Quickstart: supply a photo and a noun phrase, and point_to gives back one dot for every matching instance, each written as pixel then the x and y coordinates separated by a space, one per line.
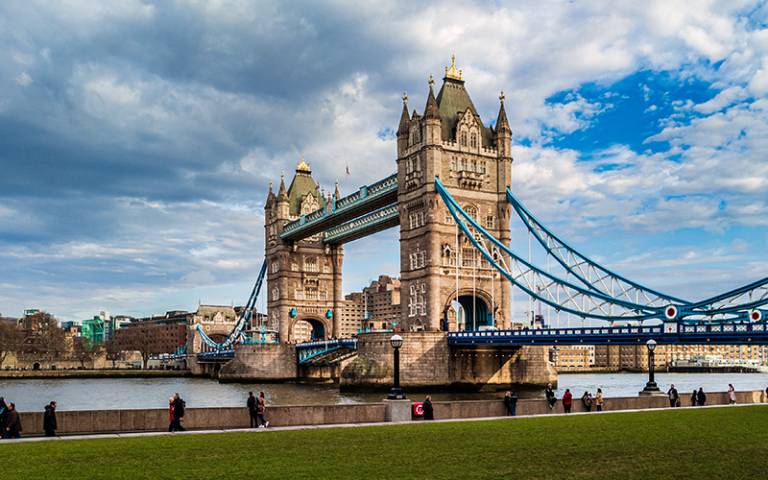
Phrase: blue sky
pixel 137 139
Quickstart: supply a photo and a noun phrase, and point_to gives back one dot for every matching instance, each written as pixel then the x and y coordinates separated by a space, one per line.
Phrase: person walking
pixel 179 407
pixel 429 413
pixel 551 398
pixel 599 400
pixel 674 397
pixel 251 404
pixel 170 414
pixel 693 398
pixel 701 397
pixel 586 401
pixel 49 420
pixel 3 415
pixel 567 401
pixel 12 423
pixel 261 411
pixel 731 394
pixel 510 403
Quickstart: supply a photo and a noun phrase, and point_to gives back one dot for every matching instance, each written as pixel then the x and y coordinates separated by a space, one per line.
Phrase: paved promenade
pixel 339 425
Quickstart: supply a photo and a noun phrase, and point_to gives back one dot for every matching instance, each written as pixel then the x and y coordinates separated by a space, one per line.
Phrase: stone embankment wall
pixel 148 420
pixel 261 362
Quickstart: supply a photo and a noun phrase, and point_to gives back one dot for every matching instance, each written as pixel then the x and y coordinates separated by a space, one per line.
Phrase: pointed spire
pixel 501 122
pixel 282 193
pixel 337 193
pixel 404 119
pixel 270 195
pixel 431 110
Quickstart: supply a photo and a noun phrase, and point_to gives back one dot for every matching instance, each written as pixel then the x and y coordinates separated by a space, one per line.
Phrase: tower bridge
pixel 451 199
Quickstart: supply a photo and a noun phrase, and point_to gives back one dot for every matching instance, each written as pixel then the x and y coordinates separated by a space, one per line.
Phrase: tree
pixel 43 337
pixel 113 351
pixel 11 340
pixel 84 351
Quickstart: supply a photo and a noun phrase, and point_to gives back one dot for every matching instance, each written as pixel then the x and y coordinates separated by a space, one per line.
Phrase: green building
pixel 93 330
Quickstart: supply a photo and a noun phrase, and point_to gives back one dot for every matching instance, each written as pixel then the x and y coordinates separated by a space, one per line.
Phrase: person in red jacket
pixel 567 401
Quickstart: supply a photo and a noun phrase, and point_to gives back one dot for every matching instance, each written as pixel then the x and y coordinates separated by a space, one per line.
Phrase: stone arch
pixel 484 316
pixel 320 329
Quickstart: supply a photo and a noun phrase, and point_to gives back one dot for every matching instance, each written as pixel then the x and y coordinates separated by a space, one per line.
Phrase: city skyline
pixel 136 183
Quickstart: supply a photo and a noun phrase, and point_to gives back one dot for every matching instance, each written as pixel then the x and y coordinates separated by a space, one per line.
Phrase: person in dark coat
pixel 701 397
pixel 49 420
pixel 429 413
pixel 567 401
pixel 586 400
pixel 12 423
pixel 551 398
pixel 3 414
pixel 178 413
pixel 510 402
pixel 674 397
pixel 693 398
pixel 251 404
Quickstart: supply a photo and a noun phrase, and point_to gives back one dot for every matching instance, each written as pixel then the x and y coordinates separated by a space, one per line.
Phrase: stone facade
pixel 449 141
pixel 261 362
pixel 377 307
pixel 303 278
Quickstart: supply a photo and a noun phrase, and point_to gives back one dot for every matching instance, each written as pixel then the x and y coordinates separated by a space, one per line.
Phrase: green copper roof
pixel 453 100
pixel 301 185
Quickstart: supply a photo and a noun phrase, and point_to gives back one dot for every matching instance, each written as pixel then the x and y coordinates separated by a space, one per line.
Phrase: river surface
pixel 128 393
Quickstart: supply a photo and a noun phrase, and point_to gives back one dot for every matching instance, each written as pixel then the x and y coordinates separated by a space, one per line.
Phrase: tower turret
pixel 432 123
pixel 404 127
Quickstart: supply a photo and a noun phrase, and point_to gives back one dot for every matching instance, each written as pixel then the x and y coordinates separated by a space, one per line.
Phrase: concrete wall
pixel 95 421
pixel 482 366
pixel 261 362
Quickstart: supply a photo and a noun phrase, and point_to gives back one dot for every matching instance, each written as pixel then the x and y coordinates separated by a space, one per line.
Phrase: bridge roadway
pixel 367 200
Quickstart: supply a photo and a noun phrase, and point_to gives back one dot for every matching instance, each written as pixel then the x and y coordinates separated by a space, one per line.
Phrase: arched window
pixel 463 139
pixel 471 210
pixel 473 140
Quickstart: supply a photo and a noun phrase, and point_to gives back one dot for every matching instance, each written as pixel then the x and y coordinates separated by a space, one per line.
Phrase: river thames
pixel 98 394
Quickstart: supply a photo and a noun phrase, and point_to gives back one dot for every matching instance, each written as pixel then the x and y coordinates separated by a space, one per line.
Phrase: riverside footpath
pixel 155 421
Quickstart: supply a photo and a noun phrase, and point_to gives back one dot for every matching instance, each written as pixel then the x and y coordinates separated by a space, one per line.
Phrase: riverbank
pixel 154 420
pixel 106 373
pixel 622 445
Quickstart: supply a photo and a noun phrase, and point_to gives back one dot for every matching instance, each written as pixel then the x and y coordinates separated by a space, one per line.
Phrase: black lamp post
pixel 396 393
pixel 651 388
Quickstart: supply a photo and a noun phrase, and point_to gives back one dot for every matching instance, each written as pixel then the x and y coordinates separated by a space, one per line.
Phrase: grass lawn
pixel 692 443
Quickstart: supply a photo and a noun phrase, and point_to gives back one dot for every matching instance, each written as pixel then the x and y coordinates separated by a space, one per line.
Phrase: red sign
pixel 418 409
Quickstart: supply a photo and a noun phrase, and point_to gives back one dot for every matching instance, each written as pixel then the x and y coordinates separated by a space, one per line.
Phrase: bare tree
pixel 11 340
pixel 43 337
pixel 113 351
pixel 84 351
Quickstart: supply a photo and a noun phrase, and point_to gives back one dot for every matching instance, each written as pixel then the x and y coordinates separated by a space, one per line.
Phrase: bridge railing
pixel 217 355
pixel 309 350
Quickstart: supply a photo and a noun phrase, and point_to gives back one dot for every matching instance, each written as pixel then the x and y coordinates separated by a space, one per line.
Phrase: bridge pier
pixel 428 362
pixel 261 362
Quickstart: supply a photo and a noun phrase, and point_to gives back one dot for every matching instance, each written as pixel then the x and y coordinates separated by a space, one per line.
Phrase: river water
pixel 97 394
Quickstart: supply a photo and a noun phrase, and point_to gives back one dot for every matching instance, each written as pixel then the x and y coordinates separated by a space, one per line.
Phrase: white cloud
pixel 23 79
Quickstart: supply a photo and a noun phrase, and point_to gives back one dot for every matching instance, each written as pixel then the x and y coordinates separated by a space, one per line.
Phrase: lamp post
pixel 396 393
pixel 650 387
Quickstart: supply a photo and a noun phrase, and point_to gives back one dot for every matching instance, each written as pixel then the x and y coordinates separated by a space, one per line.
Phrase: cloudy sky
pixel 137 139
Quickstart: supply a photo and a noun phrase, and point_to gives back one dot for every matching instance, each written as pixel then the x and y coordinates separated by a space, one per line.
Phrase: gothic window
pixel 490 222
pixel 468 257
pixel 473 165
pixel 483 167
pixel 463 163
pixel 310 264
pixel 294 267
pixel 449 257
pixel 471 211
pixel 275 293
pixel 275 267
pixel 416 220
pixel 309 204
pixel 463 139
pixel 453 162
pixel 448 218
pixel 473 140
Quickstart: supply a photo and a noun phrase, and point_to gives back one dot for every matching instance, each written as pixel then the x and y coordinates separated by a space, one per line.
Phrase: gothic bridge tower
pixel 450 141
pixel 304 277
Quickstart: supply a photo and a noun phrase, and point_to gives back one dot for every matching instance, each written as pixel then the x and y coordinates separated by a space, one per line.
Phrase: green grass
pixel 692 443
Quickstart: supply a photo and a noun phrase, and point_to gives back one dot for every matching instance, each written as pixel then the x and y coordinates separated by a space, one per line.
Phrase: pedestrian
pixel 599 400
pixel 3 415
pixel 429 413
pixel 170 414
pixel 567 401
pixel 701 398
pixel 179 407
pixel 12 423
pixel 674 397
pixel 49 420
pixel 510 403
pixel 586 400
pixel 693 398
pixel 251 404
pixel 731 394
pixel 551 398
pixel 261 411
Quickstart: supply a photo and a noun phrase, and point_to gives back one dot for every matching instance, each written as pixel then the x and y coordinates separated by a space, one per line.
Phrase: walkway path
pixel 345 425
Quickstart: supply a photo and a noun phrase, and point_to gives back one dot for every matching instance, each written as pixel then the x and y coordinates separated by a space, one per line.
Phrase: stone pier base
pixel 261 363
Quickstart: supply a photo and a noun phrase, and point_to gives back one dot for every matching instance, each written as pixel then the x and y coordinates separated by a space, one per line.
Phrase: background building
pixel 376 307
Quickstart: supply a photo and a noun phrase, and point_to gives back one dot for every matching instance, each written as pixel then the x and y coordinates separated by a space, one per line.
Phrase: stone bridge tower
pixel 474 162
pixel 304 277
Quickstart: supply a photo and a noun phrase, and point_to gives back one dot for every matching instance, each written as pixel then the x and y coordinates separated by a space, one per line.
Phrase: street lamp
pixel 651 388
pixel 396 393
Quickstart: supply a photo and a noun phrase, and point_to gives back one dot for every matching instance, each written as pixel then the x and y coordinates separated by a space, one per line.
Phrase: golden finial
pixel 303 167
pixel 502 97
pixel 431 80
pixel 405 98
pixel 452 72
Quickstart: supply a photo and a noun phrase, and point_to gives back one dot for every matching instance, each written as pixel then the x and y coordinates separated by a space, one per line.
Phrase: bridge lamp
pixel 396 393
pixel 651 388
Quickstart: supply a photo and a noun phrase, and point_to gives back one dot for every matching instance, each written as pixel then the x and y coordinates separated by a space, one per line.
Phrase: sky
pixel 137 138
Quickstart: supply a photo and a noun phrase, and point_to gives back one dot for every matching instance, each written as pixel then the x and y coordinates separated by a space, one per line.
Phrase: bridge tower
pixel 474 161
pixel 303 277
